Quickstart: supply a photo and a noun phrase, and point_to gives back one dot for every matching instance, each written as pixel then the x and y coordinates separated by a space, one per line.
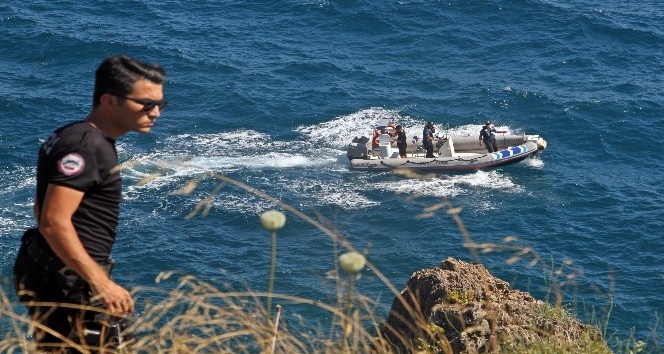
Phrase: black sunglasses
pixel 148 105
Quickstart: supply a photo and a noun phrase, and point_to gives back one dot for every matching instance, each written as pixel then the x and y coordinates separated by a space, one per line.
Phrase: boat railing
pixel 446 131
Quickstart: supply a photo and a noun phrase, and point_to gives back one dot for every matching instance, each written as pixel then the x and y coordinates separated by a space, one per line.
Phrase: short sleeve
pixel 75 168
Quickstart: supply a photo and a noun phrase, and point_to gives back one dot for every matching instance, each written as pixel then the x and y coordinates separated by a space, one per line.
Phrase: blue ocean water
pixel 270 93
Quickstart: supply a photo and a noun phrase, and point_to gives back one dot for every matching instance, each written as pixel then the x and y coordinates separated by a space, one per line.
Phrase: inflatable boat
pixel 451 153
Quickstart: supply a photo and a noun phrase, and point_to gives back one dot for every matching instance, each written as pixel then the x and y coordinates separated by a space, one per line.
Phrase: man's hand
pixel 114 297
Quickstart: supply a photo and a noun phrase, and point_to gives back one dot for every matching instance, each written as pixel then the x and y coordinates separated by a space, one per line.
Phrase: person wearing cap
pixel 427 138
pixel 488 137
pixel 402 143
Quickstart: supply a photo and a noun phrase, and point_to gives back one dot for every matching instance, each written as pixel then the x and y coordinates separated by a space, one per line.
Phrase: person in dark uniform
pixel 428 138
pixel 488 137
pixel 402 142
pixel 65 258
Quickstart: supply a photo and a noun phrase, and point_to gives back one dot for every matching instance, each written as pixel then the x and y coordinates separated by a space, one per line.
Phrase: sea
pixel 270 94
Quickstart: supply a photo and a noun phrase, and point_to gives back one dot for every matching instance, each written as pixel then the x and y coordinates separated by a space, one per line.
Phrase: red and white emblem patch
pixel 71 164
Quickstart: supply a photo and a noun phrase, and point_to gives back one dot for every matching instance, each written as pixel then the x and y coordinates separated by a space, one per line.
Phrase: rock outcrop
pixel 461 308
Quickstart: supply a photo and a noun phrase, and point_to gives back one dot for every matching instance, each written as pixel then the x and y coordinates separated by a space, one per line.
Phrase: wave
pixel 311 168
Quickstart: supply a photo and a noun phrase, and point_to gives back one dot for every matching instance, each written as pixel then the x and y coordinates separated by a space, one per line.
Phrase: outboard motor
pixel 359 148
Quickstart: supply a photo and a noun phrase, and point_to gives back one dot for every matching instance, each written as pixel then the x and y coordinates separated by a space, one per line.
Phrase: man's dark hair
pixel 117 74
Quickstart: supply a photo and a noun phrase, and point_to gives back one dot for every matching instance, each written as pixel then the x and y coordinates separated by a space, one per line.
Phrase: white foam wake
pixel 312 169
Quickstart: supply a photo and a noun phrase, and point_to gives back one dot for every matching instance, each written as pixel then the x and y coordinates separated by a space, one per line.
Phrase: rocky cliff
pixel 460 307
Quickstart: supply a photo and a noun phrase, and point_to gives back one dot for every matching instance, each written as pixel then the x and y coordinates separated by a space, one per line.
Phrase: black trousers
pixel 40 277
pixel 491 145
pixel 402 149
pixel 429 148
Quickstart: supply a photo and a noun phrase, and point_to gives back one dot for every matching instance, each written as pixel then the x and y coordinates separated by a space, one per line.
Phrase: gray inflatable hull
pixel 451 154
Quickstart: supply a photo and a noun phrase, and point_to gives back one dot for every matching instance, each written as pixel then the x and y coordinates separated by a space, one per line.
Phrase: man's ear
pixel 108 101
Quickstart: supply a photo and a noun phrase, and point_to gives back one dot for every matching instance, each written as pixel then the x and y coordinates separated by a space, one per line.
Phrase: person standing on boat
pixel 402 143
pixel 65 259
pixel 427 138
pixel 488 137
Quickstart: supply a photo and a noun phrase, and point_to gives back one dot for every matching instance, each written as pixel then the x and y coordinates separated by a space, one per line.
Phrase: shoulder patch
pixel 71 164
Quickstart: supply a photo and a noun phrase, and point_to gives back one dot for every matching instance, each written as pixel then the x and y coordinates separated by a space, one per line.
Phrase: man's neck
pixel 104 124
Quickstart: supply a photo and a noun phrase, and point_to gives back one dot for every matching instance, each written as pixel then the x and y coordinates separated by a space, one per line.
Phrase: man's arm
pixel 56 226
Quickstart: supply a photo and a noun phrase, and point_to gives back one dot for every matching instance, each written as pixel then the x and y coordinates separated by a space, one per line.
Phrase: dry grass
pixel 199 317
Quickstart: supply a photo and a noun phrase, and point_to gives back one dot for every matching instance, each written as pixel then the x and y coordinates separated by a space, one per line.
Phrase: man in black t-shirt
pixel 402 144
pixel 428 138
pixel 66 258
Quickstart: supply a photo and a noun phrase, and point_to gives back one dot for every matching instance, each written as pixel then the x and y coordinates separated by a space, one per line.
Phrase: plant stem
pixel 277 314
pixel 349 306
pixel 273 264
